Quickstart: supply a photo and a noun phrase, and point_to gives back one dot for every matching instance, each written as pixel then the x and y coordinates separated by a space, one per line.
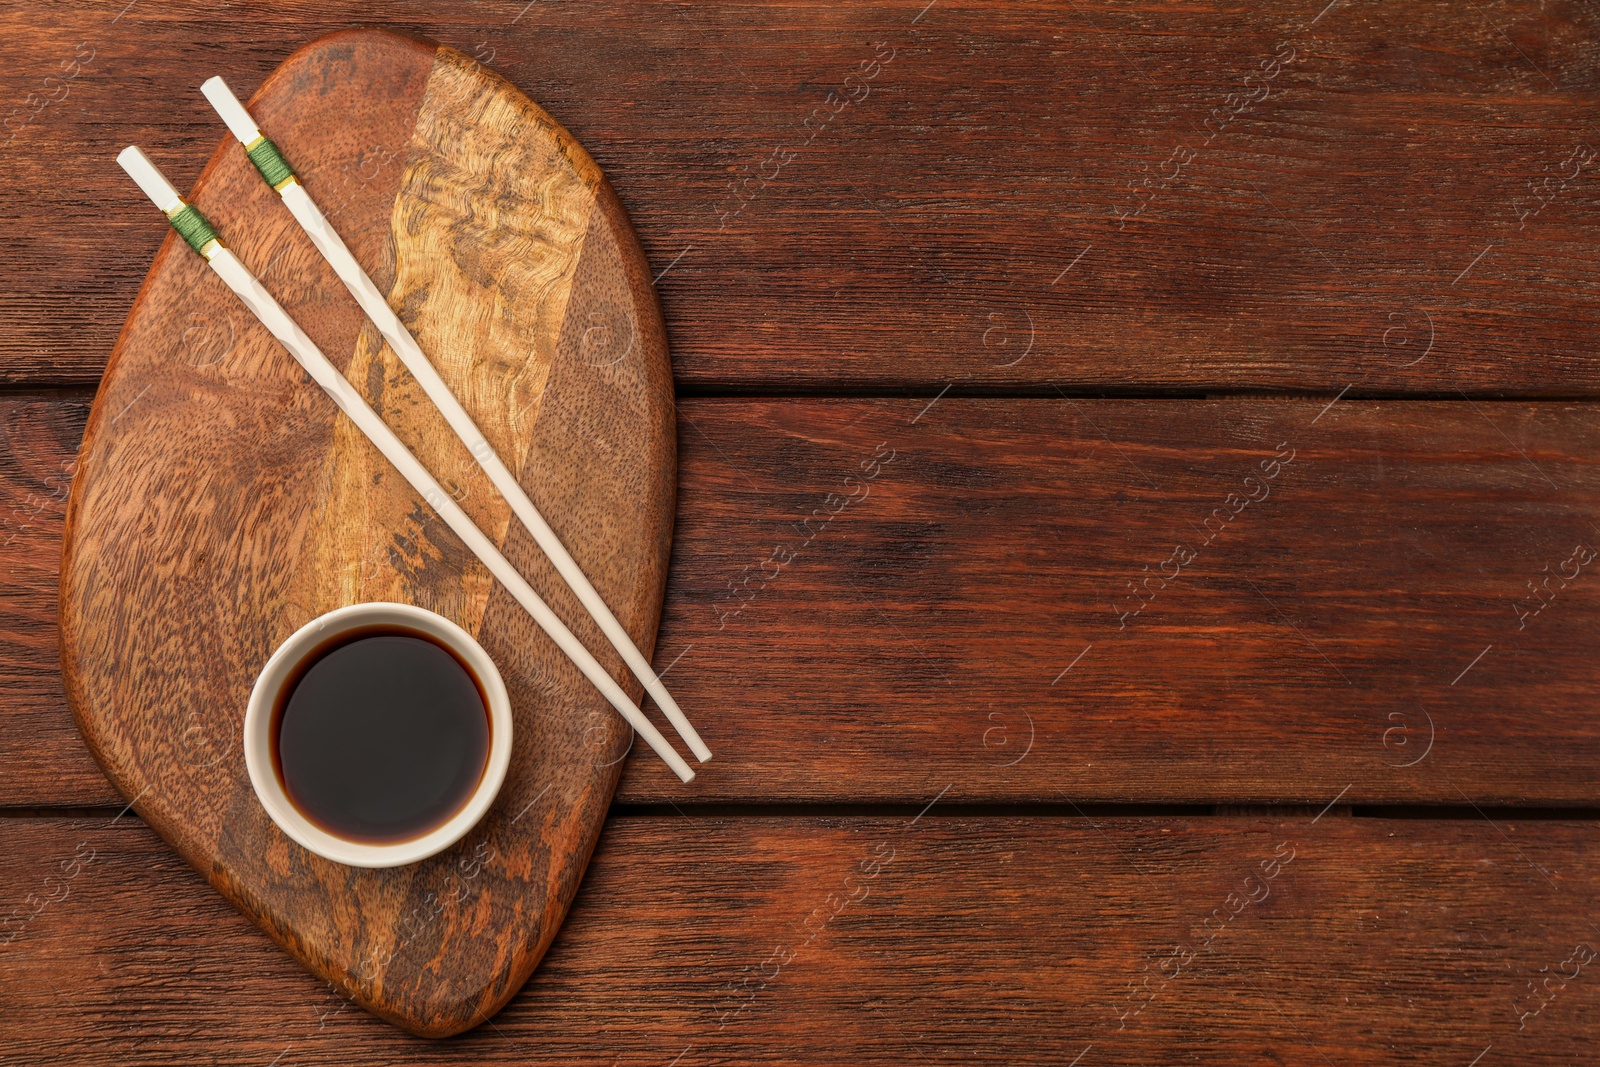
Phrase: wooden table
pixel 1135 556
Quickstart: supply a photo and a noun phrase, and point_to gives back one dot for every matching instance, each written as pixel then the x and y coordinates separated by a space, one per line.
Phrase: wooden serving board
pixel 221 502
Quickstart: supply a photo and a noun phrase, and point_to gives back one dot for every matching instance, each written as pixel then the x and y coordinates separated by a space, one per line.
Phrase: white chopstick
pixel 193 226
pixel 278 174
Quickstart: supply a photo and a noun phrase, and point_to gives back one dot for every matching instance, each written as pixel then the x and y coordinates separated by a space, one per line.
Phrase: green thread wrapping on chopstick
pixel 193 227
pixel 270 162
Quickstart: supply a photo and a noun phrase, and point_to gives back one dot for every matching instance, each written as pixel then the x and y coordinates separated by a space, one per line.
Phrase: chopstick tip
pixel 148 177
pixel 229 109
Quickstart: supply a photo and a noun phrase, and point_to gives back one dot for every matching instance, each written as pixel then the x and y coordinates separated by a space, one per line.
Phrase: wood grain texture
pixel 879 941
pixel 1332 633
pixel 1399 197
pixel 40 749
pixel 1389 199
pixel 221 502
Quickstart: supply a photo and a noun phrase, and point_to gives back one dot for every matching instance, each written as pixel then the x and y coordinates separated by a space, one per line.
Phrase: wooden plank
pixel 871 599
pixel 43 755
pixel 903 194
pixel 940 940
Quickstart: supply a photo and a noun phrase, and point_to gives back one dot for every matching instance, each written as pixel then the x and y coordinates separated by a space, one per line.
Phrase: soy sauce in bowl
pixel 381 736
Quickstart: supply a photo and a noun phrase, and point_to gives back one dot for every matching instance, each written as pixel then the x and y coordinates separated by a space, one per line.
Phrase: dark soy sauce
pixel 381 735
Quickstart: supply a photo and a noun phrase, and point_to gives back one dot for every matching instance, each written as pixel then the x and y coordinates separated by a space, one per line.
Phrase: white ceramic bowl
pixel 258 734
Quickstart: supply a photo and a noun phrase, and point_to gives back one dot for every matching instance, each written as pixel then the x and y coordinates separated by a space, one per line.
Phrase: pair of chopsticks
pixel 203 238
